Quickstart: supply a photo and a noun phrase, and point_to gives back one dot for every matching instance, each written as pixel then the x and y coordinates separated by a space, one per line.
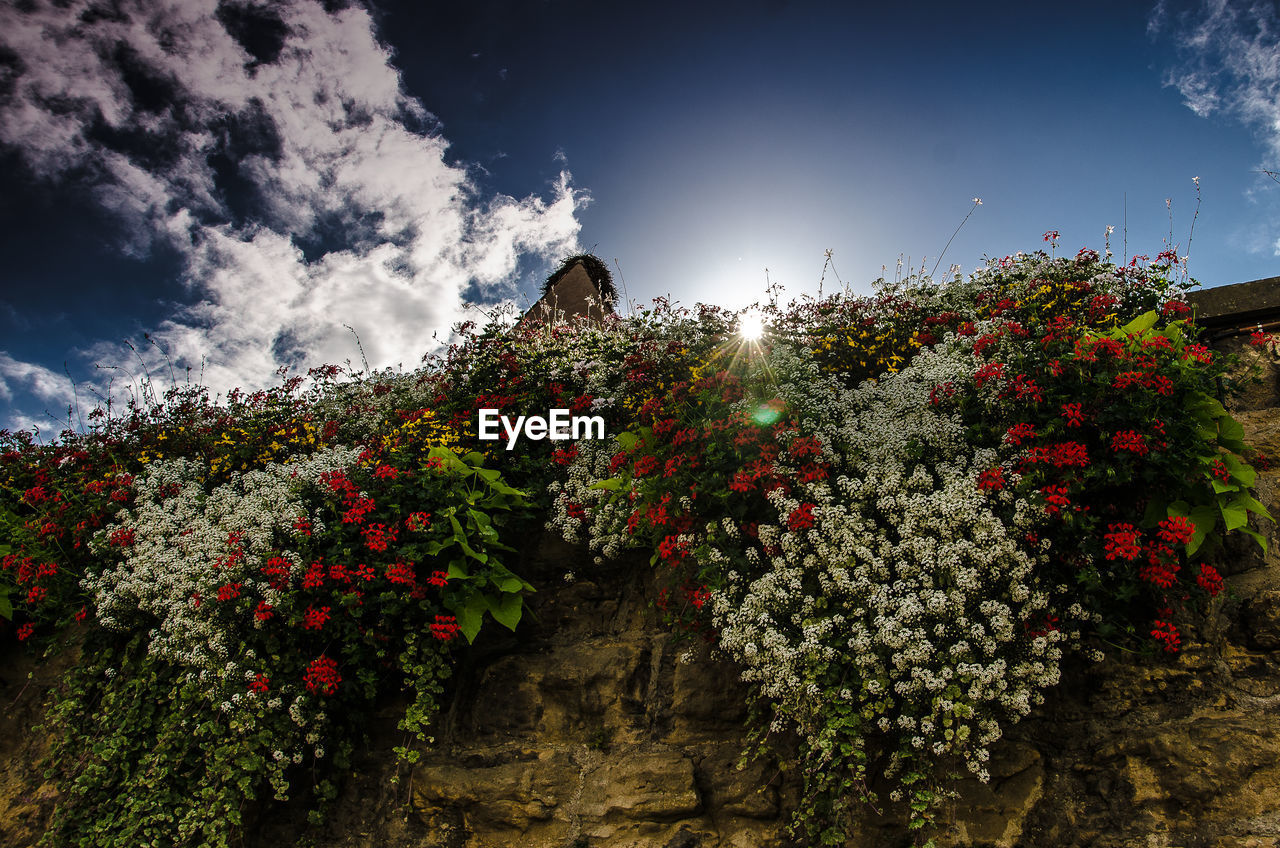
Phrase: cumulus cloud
pixel 274 146
pixel 1228 62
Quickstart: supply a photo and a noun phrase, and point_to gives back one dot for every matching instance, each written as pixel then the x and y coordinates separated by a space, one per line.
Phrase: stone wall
pixel 594 726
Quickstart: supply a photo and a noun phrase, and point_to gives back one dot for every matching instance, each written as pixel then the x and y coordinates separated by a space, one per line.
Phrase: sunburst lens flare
pixel 751 326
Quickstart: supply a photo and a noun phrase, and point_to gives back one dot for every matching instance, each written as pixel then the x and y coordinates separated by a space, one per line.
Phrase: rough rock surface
pixel 586 729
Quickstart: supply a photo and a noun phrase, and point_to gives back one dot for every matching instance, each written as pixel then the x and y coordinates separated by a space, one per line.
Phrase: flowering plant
pixel 897 514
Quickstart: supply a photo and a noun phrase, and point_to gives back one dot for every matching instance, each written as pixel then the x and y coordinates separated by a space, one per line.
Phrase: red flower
pixel 1176 530
pixel 742 482
pixel 1158 571
pixel 1019 433
pixel 564 456
pixel 445 627
pixel 314 578
pixel 672 549
pixel 438 578
pixel 322 676
pixel 357 509
pixel 229 591
pixel 1024 388
pixel 941 392
pixel 990 371
pixel 801 517
pixel 122 538
pixel 314 619
pixel 645 465
pixel 378 536
pixel 576 511
pixel 1129 440
pixel 418 521
pixel 303 526
pixel 1073 414
pixel 25 631
pixel 261 683
pixel 263 611
pixel 402 573
pixel 812 471
pixel 805 446
pixel 386 472
pixel 1055 498
pixel 699 597
pixel 1199 353
pixel 1123 541
pixel 991 480
pixel 1167 635
pixel 1209 579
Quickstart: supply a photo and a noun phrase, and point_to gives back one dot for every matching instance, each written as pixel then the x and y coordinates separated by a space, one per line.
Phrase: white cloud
pixel 1228 62
pixel 342 209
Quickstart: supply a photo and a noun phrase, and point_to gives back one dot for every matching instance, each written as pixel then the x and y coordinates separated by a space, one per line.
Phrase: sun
pixel 751 326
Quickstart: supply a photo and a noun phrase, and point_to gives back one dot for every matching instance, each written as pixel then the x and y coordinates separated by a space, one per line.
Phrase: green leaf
pixel 1141 324
pixel 1179 509
pixel 1234 515
pixel 1205 518
pixel 1256 536
pixel 1229 430
pixel 1219 487
pixel 1249 503
pixel 627 440
pixel 474 459
pixel 6 606
pixel 1241 471
pixel 1207 404
pixel 458 570
pixel 611 484
pixel 507 609
pixel 471 616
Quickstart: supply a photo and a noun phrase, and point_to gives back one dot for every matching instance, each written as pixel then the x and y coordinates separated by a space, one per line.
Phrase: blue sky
pixel 230 186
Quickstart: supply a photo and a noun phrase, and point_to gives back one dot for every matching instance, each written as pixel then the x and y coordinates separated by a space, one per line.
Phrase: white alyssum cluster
pixel 914 596
pixel 169 577
pixel 914 584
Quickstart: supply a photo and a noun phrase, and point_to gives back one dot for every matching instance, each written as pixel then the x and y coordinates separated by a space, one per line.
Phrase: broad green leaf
pixel 479 556
pixel 1179 509
pixel 473 458
pixel 627 440
pixel 1234 515
pixel 458 570
pixel 1205 518
pixel 1219 487
pixel 1156 511
pixel 610 484
pixel 1207 403
pixel 6 606
pixel 1141 324
pixel 507 609
pixel 1256 536
pixel 471 616
pixel 1229 430
pixel 1240 470
pixel 1249 503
